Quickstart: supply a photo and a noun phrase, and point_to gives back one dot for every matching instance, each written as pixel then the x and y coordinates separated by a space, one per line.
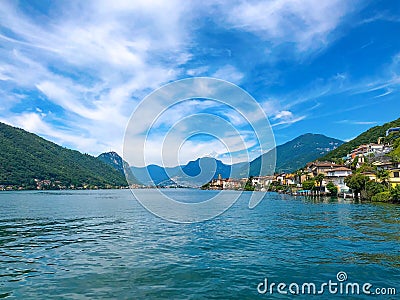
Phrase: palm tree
pixel 319 178
pixel 298 175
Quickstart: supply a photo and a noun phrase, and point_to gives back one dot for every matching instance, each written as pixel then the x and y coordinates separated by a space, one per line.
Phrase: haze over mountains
pixel 289 157
pixel 185 175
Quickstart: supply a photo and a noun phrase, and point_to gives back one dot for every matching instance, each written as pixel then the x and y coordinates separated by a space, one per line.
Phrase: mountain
pixel 296 153
pixel 200 171
pixel 370 136
pixel 289 157
pixel 114 160
pixel 194 168
pixel 152 174
pixel 29 161
pixel 187 175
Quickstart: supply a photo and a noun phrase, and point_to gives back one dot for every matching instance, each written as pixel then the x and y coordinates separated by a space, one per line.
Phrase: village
pixel 370 161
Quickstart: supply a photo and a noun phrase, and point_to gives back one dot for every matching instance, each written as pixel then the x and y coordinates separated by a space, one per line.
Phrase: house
pixel 232 184
pixel 217 184
pixel 380 150
pixel 386 165
pixel 262 181
pixel 360 150
pixel 256 180
pixel 337 176
pixel 370 175
pixel 372 149
pixel 394 177
pixel 393 129
pixel 303 176
pixel 321 167
pixel 267 180
pixel 290 179
pixel 280 178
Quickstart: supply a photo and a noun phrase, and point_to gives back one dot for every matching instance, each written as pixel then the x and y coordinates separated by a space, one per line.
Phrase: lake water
pixel 104 244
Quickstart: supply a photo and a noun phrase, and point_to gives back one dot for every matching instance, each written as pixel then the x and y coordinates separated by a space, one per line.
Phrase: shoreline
pixel 294 196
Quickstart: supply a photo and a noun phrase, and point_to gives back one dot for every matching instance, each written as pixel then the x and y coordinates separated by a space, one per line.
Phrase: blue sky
pixel 74 71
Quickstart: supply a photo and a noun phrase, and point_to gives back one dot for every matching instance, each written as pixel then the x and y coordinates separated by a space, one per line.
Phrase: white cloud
pixel 307 23
pixel 388 91
pixel 289 121
pixel 34 122
pixel 197 71
pixel 278 114
pixel 183 109
pixel 179 149
pixel 229 73
pixel 95 60
pixel 354 122
pixel 284 114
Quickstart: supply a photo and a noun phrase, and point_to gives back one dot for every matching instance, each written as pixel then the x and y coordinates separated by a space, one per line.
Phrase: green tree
pixel 308 184
pixel 354 163
pixel 383 176
pixel 249 184
pixel 372 188
pixel 395 153
pixel 339 161
pixel 319 178
pixel 357 183
pixel 395 193
pixel 382 197
pixel 26 157
pixel 332 188
pixel 366 167
pixel 206 186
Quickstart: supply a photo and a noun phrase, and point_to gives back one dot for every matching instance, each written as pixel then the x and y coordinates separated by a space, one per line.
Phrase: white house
pixel 337 176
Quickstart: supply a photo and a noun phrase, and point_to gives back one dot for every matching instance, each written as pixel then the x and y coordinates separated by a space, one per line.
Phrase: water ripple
pixel 103 244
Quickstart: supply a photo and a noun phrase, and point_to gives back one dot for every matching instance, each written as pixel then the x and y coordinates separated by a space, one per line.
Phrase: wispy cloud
pixel 34 122
pixel 75 72
pixel 308 24
pixel 387 92
pixel 278 114
pixel 229 73
pixel 93 61
pixel 354 122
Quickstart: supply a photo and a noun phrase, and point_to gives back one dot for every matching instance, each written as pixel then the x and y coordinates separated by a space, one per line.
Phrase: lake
pixel 105 245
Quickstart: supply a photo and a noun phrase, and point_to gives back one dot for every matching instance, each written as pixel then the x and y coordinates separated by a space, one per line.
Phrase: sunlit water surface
pixel 104 244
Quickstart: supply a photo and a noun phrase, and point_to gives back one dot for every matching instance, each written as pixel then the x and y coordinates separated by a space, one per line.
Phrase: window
pixel 396 174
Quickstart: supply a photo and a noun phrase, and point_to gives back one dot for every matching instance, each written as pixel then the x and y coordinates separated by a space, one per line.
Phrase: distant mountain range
pixel 28 161
pixel 194 173
pixel 289 157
